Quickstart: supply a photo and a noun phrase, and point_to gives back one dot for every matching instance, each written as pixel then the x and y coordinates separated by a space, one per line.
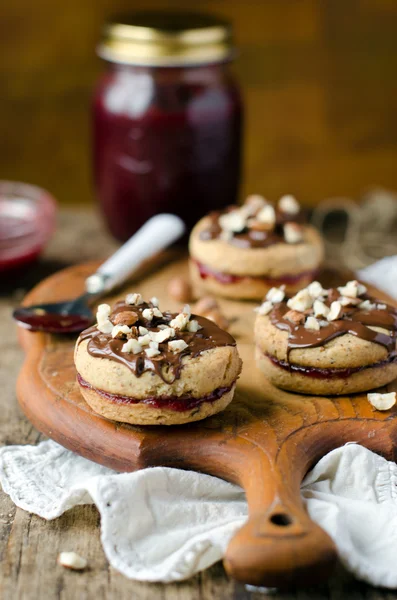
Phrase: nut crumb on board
pixel 72 560
pixel 382 401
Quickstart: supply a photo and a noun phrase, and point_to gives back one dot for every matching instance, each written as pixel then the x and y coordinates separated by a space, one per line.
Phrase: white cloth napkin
pixel 165 525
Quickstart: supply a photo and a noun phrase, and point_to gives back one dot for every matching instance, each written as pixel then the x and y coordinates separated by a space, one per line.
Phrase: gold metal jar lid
pixel 156 38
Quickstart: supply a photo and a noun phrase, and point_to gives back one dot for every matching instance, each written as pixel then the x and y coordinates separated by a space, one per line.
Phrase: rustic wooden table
pixel 29 545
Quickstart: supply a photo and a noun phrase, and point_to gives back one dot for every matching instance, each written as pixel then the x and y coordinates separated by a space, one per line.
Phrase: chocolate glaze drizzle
pixel 353 320
pixel 249 237
pixel 167 364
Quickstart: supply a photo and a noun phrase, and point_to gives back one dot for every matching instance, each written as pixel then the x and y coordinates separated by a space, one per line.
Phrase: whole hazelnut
pixel 218 318
pixel 180 289
pixel 205 304
pixel 125 317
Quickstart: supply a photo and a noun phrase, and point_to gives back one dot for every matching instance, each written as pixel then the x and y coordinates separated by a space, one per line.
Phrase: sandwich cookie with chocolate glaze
pixel 142 366
pixel 244 251
pixel 334 341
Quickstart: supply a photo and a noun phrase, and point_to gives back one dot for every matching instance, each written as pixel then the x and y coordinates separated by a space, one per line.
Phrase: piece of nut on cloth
pixel 165 525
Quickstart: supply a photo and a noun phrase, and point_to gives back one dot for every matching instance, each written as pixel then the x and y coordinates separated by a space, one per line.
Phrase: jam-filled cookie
pixel 335 341
pixel 143 366
pixel 242 252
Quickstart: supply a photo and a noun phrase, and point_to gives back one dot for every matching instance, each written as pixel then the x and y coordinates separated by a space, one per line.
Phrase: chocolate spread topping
pixel 167 364
pixel 353 320
pixel 249 237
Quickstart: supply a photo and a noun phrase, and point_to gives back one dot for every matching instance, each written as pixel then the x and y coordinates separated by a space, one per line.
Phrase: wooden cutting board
pixel 266 440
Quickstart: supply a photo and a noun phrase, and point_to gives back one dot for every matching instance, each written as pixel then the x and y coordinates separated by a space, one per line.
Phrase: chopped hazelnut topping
pixel 352 289
pixel 193 326
pixel 120 331
pixel 132 345
pixel 148 314
pixel 267 215
pixel 105 327
pixel 382 401
pixel 134 299
pixel 72 560
pixel 381 306
pixel 103 311
pixel 177 345
pixel 157 312
pixel 335 311
pixel 103 322
pixel 320 309
pixel 162 335
pixel 367 305
pixel 293 233
pixel 289 204
pixel 275 295
pixel 152 351
pixel 233 221
pixel 265 308
pixel 154 301
pixel 254 203
pixel 145 340
pixel 301 301
pixel 316 290
pixel 295 317
pixel 180 321
pixel 187 310
pixel 125 317
pixel 312 324
pixel 345 301
pixel 144 331
pixel 260 225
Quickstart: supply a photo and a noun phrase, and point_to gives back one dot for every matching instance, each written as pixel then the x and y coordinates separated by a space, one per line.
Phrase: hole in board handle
pixel 281 519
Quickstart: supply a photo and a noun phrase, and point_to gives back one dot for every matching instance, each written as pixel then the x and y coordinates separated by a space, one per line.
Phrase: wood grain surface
pixel 318 78
pixel 29 545
pixel 265 441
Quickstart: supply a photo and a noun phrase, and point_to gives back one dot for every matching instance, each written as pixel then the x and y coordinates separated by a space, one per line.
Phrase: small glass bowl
pixel 27 221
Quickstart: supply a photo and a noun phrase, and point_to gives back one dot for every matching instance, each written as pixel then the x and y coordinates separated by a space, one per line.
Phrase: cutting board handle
pixel 279 546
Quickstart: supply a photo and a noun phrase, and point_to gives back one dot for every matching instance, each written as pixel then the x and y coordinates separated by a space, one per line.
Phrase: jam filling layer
pixel 317 373
pixel 167 365
pixel 176 403
pixel 206 272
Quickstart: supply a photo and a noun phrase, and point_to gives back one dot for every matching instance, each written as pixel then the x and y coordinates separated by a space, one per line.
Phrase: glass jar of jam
pixel 167 119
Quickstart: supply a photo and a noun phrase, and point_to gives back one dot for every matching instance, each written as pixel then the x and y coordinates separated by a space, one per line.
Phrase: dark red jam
pixel 227 278
pixel 176 403
pixel 51 322
pixel 165 140
pixel 317 373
